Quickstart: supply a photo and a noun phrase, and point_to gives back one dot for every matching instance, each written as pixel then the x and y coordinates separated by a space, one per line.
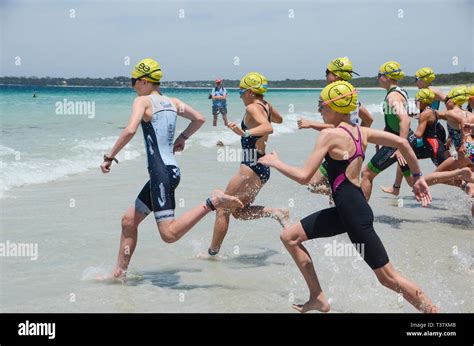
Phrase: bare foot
pixel 322 189
pixel 118 273
pixel 282 216
pixel 319 303
pixel 467 174
pixel 221 200
pixel 391 190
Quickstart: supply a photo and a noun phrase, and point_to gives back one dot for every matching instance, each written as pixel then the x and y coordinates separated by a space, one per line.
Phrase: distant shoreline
pixel 450 79
pixel 207 88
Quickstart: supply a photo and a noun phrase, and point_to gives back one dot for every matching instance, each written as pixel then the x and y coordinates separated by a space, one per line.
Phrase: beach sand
pixel 76 224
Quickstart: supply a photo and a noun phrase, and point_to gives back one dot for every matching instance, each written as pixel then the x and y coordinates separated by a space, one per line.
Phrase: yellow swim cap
pixel 426 73
pixel 425 95
pixel 341 67
pixel 392 70
pixel 341 96
pixel 459 95
pixel 255 82
pixel 470 91
pixel 148 69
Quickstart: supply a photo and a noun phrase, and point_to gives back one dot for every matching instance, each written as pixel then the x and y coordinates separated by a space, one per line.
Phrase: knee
pixel 367 174
pixel 168 237
pixel 128 223
pixel 288 238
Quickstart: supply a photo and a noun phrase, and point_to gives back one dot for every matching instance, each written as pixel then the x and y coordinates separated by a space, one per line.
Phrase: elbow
pixel 200 120
pixel 305 179
pixel 402 143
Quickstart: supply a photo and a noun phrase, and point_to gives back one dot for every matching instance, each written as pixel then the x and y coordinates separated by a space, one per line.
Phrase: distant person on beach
pixel 219 102
pixel 343 147
pixel 34 95
pixel 255 128
pixel 157 115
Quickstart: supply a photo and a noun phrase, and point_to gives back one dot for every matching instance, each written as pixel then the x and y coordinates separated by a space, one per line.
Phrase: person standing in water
pixel 254 131
pixel 397 122
pixel 343 148
pixel 219 102
pixel 157 115
pixel 339 69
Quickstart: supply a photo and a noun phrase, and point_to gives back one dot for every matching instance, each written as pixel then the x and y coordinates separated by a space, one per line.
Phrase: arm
pixel 138 110
pixel 396 101
pixel 365 116
pixel 315 125
pixel 186 111
pixel 420 187
pixel 303 174
pixel 276 116
pixel 263 127
pixel 422 122
pixel 439 95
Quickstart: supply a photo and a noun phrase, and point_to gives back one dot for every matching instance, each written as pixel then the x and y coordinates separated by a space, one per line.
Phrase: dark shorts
pixel 382 160
pixel 352 215
pixel 219 109
pixel 433 149
pixel 158 194
pixel 263 172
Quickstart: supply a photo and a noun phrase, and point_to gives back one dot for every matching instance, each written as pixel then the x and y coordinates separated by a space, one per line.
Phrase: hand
pixel 303 123
pixel 237 130
pixel 462 149
pixel 269 159
pixel 401 160
pixel 105 166
pixel 421 191
pixel 179 144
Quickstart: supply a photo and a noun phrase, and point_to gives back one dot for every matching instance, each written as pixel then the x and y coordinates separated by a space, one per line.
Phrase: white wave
pixel 82 156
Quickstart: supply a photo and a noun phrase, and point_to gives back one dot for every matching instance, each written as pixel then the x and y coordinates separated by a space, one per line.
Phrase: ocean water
pixel 45 139
pixel 54 196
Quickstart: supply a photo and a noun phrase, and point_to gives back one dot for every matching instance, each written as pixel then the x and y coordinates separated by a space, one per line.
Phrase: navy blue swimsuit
pixel 250 154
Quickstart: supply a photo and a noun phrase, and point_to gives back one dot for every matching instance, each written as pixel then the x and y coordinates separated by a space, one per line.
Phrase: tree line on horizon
pixel 441 79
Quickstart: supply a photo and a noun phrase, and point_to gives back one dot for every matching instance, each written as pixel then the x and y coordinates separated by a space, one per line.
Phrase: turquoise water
pixel 44 139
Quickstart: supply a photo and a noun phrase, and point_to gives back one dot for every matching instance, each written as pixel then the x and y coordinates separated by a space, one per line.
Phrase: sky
pixel 205 39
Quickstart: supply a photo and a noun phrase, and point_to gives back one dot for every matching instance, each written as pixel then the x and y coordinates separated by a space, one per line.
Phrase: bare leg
pixel 128 240
pixel 256 212
pixel 173 230
pixel 170 230
pixel 400 284
pixel 245 185
pixel 214 122
pixel 395 189
pixel 224 117
pixel 450 177
pixel 367 182
pixel 293 237
pixel 221 225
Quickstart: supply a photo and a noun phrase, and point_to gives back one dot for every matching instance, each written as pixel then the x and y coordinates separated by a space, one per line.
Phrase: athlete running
pixel 247 182
pixel 343 148
pixel 397 122
pixel 427 144
pixel 157 115
pixel 337 69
